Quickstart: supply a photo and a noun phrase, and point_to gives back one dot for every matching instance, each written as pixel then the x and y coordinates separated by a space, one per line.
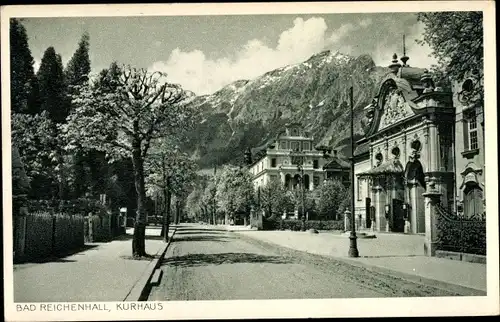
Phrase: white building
pixel 292 159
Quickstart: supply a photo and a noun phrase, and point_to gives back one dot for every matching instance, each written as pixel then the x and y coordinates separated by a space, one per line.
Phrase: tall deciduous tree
pixel 209 199
pixel 121 114
pixel 456 40
pixel 23 83
pixel 235 192
pixel 53 89
pixel 274 199
pixel 170 171
pixel 332 199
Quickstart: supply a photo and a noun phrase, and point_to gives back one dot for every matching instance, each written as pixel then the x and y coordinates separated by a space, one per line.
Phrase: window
pixel 473 201
pixel 315 164
pixel 305 146
pixel 273 163
pixel 470 131
pixel 473 133
pixel 359 189
pixel 283 145
pixel 316 181
pixel 294 146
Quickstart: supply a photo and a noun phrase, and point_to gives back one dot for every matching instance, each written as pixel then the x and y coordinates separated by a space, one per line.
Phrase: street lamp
pixel 353 245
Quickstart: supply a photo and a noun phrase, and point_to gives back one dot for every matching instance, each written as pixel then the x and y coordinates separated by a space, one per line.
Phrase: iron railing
pixel 459 233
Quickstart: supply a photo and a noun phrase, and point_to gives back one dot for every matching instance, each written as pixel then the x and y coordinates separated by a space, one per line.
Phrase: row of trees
pixel 229 194
pixel 80 134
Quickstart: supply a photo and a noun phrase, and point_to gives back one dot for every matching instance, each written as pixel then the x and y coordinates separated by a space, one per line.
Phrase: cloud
pixel 365 22
pixel 202 75
pixel 194 71
pixel 341 32
pixel 419 54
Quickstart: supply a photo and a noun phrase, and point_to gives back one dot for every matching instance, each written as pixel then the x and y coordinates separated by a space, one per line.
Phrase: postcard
pixel 249 160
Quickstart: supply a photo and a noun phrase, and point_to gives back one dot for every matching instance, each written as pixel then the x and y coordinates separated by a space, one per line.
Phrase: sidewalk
pixel 398 253
pixel 102 272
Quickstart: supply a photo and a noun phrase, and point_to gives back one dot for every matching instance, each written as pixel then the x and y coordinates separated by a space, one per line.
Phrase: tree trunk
pixel 177 212
pixel 167 207
pixel 169 201
pixel 139 239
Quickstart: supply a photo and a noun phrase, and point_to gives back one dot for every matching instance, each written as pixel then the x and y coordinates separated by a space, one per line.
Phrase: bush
pixel 270 223
pixel 325 225
pixel 291 224
pixel 296 225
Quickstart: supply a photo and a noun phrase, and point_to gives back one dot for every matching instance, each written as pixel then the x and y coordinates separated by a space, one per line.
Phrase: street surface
pixel 207 263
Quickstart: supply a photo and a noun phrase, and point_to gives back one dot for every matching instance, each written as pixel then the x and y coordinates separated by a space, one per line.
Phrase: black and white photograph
pixel 201 161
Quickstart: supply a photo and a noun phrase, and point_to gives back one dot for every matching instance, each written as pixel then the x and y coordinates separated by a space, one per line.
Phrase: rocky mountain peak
pixel 314 93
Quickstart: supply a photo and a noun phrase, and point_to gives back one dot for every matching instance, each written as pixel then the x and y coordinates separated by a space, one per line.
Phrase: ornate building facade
pixel 422 152
pixel 292 159
pixel 409 129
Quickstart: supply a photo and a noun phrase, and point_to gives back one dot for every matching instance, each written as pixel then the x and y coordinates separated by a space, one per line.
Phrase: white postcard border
pixel 465 306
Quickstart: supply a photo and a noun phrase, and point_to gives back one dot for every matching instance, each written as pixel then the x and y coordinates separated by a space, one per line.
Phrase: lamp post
pixel 353 245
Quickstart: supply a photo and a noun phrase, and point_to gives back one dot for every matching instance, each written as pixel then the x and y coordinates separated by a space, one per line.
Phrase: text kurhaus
pixel 139 306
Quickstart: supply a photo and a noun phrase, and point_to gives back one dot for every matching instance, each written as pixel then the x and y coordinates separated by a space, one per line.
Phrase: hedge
pixel 296 225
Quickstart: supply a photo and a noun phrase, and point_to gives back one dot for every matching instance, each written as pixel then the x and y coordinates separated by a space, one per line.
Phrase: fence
pixel 47 234
pixel 103 227
pixel 462 234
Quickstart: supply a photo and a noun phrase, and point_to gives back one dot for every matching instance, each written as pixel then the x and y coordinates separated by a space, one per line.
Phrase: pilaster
pixel 378 203
pixel 432 199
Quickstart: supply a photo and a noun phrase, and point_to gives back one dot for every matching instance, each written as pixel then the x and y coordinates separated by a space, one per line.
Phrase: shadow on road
pixel 192 232
pixel 57 258
pixel 193 260
pixel 214 238
pixel 186 229
pixel 389 256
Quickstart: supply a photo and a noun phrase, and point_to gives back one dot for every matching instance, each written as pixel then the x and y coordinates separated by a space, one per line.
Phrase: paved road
pixel 205 263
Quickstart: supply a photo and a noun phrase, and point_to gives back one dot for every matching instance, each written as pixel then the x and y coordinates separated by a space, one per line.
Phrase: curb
pixel 140 290
pixel 446 286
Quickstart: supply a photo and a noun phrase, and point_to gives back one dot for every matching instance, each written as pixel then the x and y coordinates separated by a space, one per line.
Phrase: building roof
pixel 412 75
pixel 362 148
pixel 336 163
pixel 386 168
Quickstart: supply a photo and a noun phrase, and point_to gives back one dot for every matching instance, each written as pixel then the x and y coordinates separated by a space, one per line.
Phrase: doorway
pixel 397 222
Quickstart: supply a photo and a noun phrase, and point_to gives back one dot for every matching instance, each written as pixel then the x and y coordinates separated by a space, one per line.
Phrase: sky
pixel 205 53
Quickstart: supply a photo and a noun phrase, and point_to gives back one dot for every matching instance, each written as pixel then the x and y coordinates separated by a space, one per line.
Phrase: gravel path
pixel 209 264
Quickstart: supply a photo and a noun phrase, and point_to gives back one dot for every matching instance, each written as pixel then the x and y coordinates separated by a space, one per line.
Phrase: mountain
pixel 315 93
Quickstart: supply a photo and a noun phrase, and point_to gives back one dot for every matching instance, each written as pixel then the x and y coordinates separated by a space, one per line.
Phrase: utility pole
pixel 353 247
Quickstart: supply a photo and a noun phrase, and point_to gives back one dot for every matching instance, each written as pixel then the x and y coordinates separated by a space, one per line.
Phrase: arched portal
pixel 288 179
pixel 415 181
pixel 306 182
pixel 296 181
